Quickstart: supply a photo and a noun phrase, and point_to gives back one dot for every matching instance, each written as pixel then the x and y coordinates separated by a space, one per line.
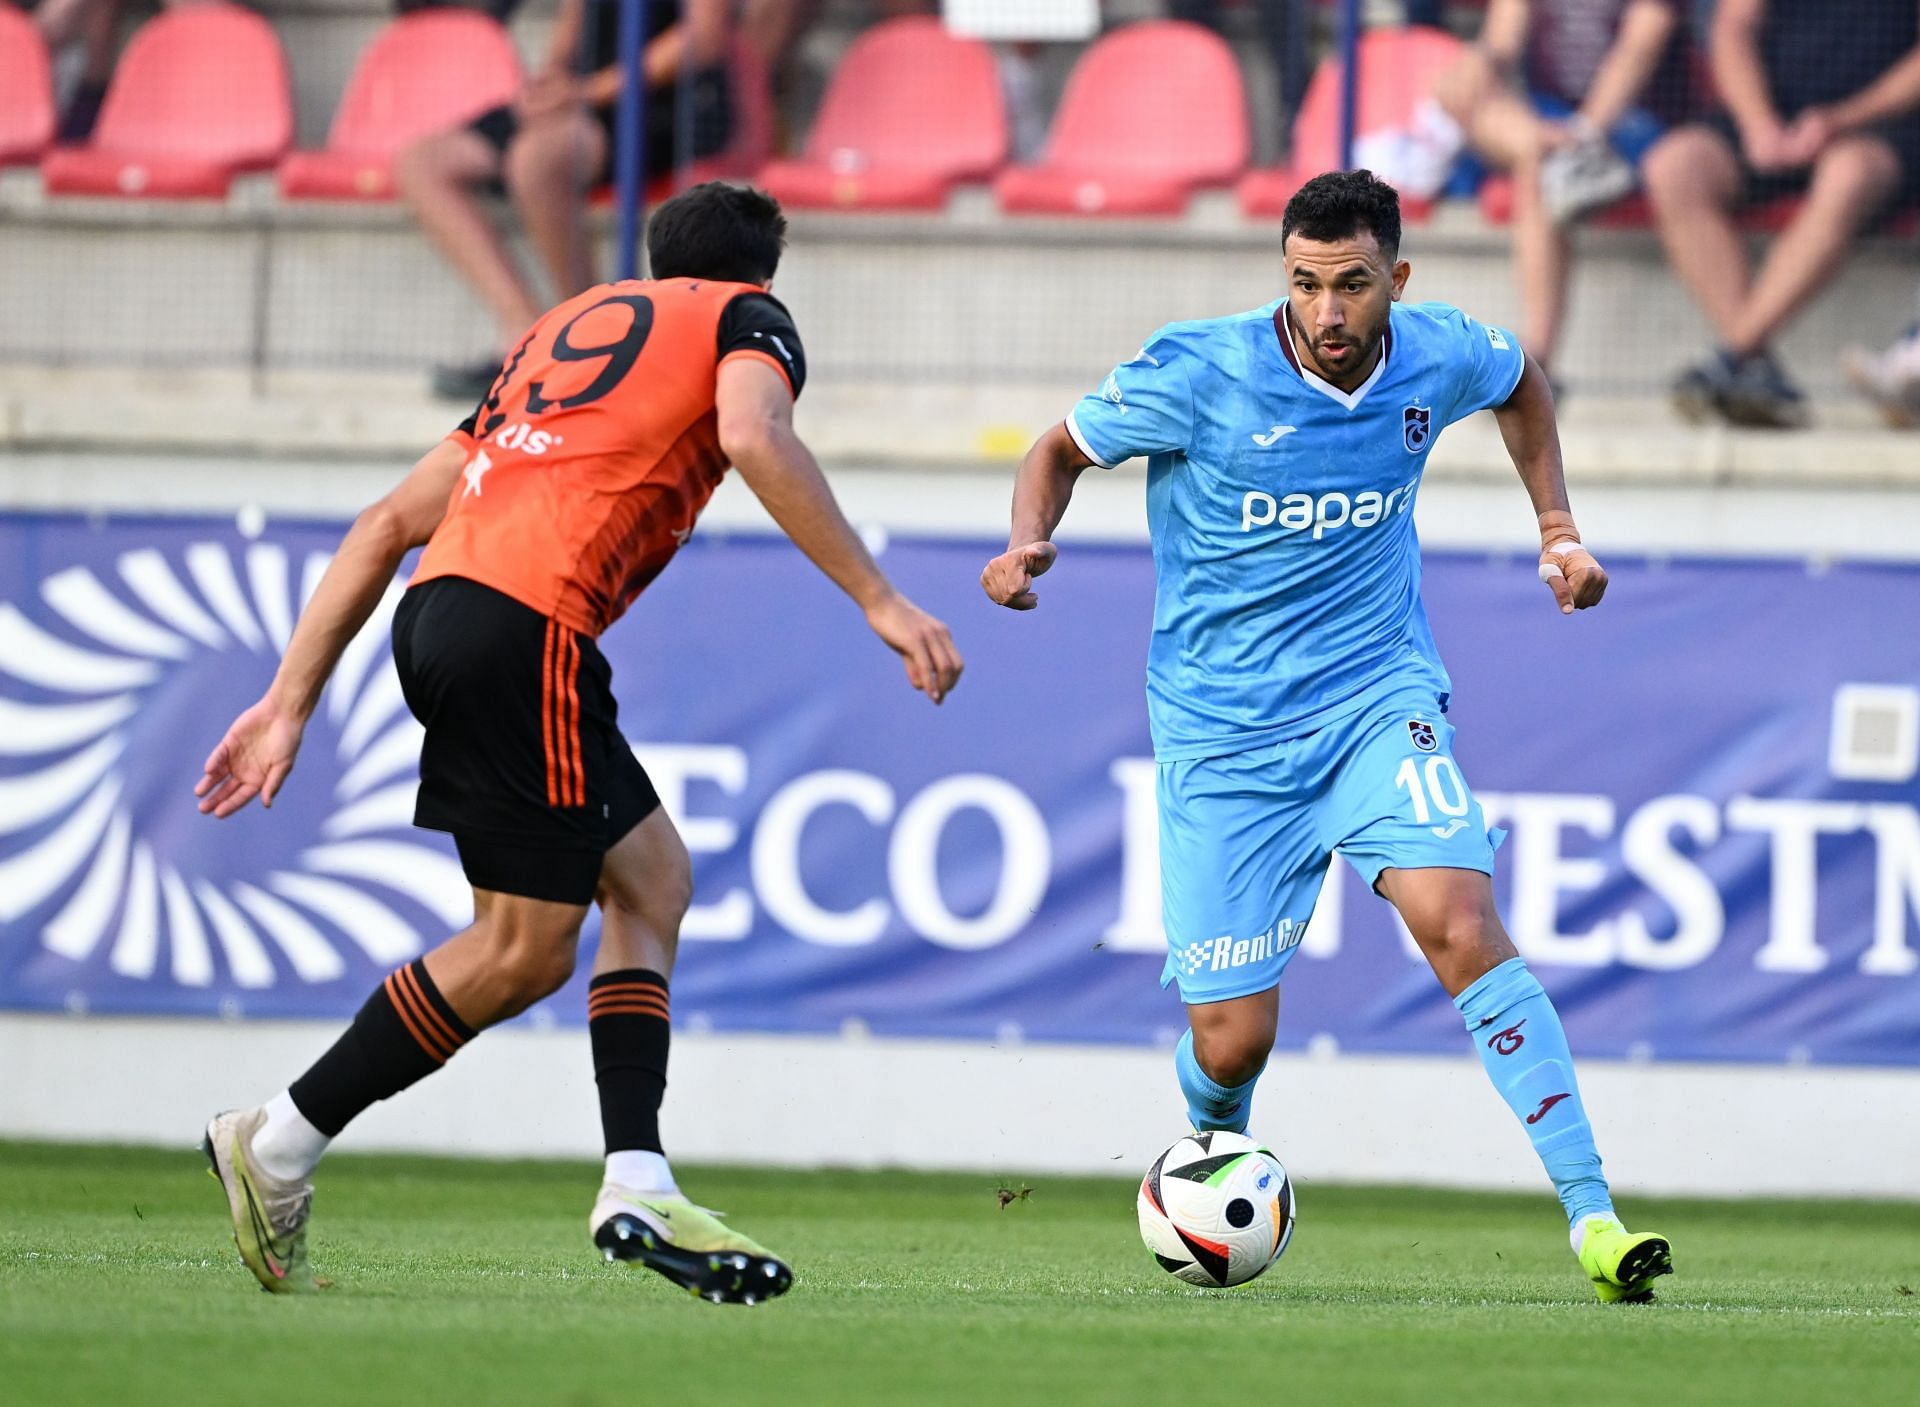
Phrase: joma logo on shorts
pixel 1219 954
pixel 1298 512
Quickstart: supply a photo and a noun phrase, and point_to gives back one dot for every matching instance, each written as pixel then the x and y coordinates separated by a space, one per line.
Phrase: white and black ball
pixel 1216 1209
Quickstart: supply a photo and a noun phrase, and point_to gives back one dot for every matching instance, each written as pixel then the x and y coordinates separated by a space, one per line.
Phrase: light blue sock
pixel 1210 1105
pixel 1523 1046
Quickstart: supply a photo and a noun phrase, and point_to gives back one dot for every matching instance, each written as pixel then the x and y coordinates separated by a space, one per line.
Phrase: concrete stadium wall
pixel 1007 1109
pixel 1003 1110
pixel 969 298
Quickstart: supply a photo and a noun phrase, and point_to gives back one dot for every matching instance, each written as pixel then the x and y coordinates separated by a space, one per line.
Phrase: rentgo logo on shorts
pixel 1300 511
pixel 1218 954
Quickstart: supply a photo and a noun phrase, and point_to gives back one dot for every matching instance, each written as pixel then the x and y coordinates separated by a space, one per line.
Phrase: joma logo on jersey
pixel 1298 512
pixel 1218 954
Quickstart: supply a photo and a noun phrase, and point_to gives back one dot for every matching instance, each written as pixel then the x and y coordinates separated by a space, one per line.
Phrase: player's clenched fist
pixel 1568 569
pixel 922 642
pixel 1008 578
pixel 1577 580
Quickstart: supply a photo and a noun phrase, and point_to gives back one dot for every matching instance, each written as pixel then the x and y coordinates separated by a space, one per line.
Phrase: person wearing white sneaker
pixel 1820 121
pixel 1890 379
pixel 536 540
pixel 1566 95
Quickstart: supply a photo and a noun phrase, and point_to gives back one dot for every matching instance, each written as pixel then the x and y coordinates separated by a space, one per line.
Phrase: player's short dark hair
pixel 1339 205
pixel 732 234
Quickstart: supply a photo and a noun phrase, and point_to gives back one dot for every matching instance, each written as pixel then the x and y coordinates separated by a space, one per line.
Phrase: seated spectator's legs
pixel 93 28
pixel 550 166
pixel 1503 129
pixel 1694 181
pixel 438 176
pixel 776 28
pixel 1852 179
pixel 1542 253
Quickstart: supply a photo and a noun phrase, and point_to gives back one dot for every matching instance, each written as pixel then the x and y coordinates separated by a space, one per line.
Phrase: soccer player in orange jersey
pixel 544 516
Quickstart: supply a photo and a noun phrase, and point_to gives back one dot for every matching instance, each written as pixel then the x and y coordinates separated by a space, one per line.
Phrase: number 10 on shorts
pixel 1441 788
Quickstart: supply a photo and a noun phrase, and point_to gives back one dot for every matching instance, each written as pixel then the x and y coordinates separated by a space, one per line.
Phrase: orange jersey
pixel 598 445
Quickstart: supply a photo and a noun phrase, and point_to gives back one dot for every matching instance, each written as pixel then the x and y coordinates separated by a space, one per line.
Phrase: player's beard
pixel 1358 363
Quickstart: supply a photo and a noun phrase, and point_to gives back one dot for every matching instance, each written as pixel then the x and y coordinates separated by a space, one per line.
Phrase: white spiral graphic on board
pixel 69 840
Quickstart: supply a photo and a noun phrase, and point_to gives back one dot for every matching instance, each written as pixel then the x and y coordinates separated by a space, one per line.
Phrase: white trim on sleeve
pixel 1519 372
pixel 1080 439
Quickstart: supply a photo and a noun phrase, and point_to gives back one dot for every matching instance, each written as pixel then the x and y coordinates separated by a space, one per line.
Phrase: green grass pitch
pixel 471 1282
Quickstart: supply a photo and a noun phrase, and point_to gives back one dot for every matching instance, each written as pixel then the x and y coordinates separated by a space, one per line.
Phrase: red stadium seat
pixel 424 73
pixel 911 112
pixel 1151 113
pixel 1397 69
pixel 26 90
pixel 200 95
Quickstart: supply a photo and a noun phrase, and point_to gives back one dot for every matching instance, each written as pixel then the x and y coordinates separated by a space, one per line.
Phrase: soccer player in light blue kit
pixel 1296 698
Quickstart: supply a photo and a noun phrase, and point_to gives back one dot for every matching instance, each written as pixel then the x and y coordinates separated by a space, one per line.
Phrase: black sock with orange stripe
pixel 627 1021
pixel 404 1033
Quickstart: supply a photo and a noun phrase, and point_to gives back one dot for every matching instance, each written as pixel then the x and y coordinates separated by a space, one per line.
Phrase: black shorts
pixel 704 107
pixel 500 125
pixel 524 762
pixel 1762 188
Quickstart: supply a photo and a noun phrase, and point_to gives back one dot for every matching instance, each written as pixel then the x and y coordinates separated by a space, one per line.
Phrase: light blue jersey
pixel 1281 510
pixel 1293 684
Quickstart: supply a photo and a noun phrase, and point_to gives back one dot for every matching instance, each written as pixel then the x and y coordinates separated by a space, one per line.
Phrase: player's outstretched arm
pixel 1532 439
pixel 1041 492
pixel 258 751
pixel 755 407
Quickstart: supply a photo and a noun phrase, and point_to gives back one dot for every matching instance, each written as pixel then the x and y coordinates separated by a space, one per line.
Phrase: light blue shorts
pixel 1245 840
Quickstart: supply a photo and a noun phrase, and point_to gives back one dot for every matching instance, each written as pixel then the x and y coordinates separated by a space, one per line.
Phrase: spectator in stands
pixel 1286 28
pixel 552 146
pixel 1822 101
pixel 1567 95
pixel 83 37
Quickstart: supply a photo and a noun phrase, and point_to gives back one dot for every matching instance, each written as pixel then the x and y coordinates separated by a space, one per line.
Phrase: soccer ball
pixel 1216 1209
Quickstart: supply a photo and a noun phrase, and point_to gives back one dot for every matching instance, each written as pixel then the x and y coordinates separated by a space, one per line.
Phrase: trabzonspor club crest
pixel 1416 427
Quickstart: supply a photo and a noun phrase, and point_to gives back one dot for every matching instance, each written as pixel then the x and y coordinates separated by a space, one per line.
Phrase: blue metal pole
pixel 630 138
pixel 1349 79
